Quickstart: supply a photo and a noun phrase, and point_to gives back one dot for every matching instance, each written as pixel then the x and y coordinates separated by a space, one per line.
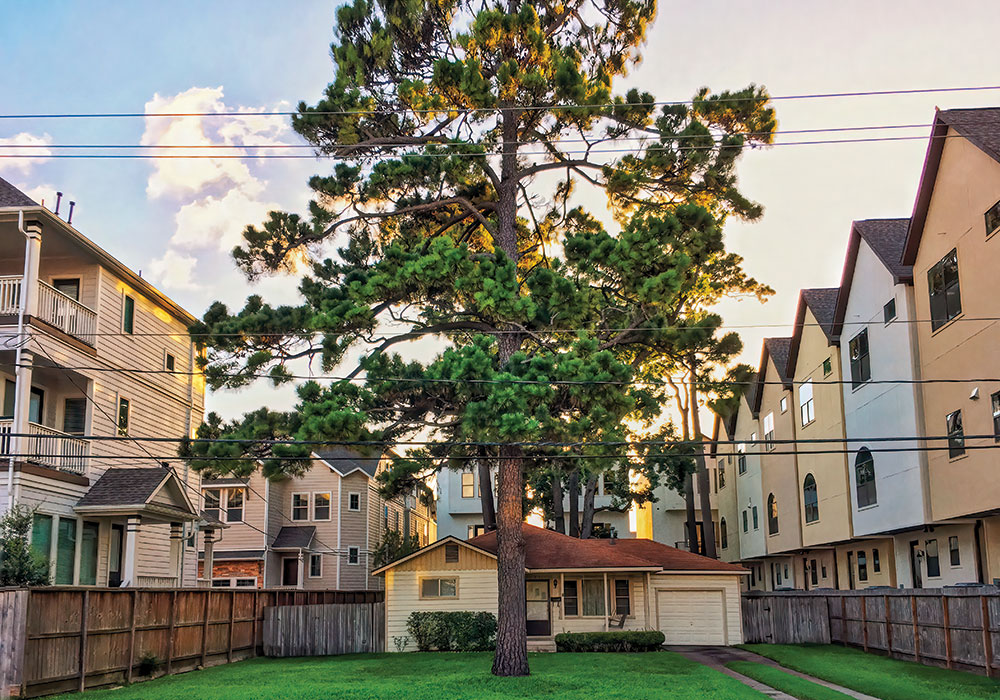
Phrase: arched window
pixel 723 533
pixel 772 515
pixel 810 498
pixel 864 475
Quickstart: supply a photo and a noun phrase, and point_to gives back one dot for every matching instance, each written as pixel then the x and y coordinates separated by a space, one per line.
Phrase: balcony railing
pixel 46 446
pixel 62 311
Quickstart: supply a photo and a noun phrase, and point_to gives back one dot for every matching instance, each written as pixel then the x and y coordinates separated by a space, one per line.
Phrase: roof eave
pixel 932 160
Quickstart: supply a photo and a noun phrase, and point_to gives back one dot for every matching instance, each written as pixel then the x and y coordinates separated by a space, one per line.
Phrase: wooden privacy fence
pixel 955 628
pixel 62 639
pixel 323 630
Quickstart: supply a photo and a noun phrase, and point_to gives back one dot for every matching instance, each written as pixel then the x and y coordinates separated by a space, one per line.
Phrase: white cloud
pixel 38 150
pixel 218 222
pixel 174 270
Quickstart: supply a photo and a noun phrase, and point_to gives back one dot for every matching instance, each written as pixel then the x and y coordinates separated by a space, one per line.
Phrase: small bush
pixel 646 640
pixel 453 631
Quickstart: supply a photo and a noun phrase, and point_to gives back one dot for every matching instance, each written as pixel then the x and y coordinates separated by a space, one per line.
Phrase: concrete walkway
pixel 718 657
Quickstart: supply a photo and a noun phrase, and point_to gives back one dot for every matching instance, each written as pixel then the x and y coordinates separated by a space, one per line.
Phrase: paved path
pixel 718 657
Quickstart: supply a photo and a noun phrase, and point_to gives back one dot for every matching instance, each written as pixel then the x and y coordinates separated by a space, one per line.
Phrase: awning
pixel 154 493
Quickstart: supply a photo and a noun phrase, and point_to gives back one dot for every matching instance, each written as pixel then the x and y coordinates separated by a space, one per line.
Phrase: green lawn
pixel 438 676
pixel 785 682
pixel 880 676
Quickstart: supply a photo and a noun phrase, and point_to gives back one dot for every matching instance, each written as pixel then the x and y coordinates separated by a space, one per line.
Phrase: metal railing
pixel 46 446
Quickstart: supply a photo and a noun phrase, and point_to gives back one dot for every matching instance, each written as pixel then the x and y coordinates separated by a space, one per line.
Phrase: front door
pixel 290 571
pixel 915 564
pixel 115 556
pixel 537 608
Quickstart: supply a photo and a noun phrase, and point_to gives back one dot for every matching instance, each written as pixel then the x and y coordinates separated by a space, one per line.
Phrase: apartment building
pixel 318 530
pixel 90 348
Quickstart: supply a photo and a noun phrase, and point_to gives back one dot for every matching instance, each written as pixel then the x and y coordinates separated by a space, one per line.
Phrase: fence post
pixel 987 637
pixel 131 638
pixel 843 620
pixel 947 629
pixel 888 627
pixel 84 622
pixel 916 630
pixel 232 621
pixel 204 629
pixel 253 634
pixel 170 632
pixel 864 622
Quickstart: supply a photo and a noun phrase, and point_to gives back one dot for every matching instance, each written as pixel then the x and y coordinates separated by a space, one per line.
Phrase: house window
pixel 169 362
pixel 395 520
pixel 124 413
pixel 476 530
pixel 745 529
pixel 354 501
pixel 889 311
pixel 246 582
pixel 723 534
pixel 623 604
pixel 862 566
pixel 933 563
pixel 88 553
pixel 385 516
pixel 439 588
pixel 315 565
pixel 813 573
pixel 956 434
pixel 722 474
pixel 993 219
pixel 995 400
pixel 943 287
pixel 321 506
pixel 954 554
pixel 592 591
pixel 571 599
pixel 353 555
pixel 41 535
pixel 769 432
pixel 300 507
pixel 213 502
pixel 128 315
pixel 451 554
pixel 784 404
pixel 807 410
pixel 70 287
pixel 861 367
pixel 468 485
pixel 827 367
pixel 772 515
pixel 753 512
pixel 741 458
pixel 75 416
pixel 823 569
pixel 234 505
pixel 864 476
pixel 810 498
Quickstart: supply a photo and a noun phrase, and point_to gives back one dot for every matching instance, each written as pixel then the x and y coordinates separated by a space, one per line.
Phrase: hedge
pixel 644 640
pixel 453 631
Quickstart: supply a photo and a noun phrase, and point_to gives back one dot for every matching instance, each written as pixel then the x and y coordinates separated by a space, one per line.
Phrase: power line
pixel 499 109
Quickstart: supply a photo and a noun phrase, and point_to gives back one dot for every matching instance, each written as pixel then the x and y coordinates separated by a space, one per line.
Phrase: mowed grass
pixel 786 682
pixel 437 676
pixel 889 679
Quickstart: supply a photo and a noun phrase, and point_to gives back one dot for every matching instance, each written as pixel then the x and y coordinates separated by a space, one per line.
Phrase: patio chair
pixel 618 620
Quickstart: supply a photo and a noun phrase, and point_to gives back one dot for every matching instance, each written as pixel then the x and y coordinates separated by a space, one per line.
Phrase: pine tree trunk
pixel 587 527
pixel 691 523
pixel 704 486
pixel 574 504
pixel 558 514
pixel 486 492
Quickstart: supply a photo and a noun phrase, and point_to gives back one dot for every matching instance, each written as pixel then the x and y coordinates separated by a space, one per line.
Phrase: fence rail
pixel 954 628
pixel 54 640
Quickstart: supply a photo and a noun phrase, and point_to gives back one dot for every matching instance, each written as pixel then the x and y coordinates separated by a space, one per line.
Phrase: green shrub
pixel 453 631
pixel 645 640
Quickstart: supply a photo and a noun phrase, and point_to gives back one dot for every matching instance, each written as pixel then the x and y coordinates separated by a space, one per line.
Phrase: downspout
pixel 18 370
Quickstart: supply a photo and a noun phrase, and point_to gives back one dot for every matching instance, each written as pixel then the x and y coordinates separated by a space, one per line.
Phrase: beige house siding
pixel 778 468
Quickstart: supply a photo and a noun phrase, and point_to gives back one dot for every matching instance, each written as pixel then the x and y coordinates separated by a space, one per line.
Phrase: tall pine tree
pixel 465 137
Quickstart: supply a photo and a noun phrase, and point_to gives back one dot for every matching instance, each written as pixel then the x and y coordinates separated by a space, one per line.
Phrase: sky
pixel 176 221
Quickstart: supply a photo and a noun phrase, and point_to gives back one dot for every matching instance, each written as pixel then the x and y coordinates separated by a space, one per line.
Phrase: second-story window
pixel 889 311
pixel 807 409
pixel 169 362
pixel 70 287
pixel 300 506
pixel 861 366
pixel 321 506
pixel 741 458
pixel 128 314
pixel 956 434
pixel 354 501
pixel 995 400
pixel 722 473
pixel 810 498
pixel 124 414
pixel 234 505
pixel 468 485
pixel 213 502
pixel 993 219
pixel 944 291
pixel 769 432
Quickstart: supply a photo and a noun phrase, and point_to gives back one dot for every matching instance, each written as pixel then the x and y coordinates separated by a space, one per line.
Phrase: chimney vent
pixel 58 200
pixel 71 205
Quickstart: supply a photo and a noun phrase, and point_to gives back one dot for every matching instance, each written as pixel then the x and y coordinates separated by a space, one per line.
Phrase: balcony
pixel 55 308
pixel 46 446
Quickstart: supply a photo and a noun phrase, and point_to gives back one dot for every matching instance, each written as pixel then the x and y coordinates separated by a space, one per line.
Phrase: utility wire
pixel 464 109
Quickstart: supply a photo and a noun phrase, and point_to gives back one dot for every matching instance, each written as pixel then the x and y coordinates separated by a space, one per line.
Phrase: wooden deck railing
pixel 46 446
pixel 58 309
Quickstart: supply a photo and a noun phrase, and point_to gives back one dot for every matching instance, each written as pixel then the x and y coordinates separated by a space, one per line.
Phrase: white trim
pixel 340 521
pixel 357 553
pixel 353 493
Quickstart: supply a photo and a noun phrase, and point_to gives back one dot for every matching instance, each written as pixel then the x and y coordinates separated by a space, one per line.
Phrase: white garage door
pixel 692 617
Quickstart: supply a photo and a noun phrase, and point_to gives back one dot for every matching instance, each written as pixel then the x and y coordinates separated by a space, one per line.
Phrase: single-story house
pixel 573 585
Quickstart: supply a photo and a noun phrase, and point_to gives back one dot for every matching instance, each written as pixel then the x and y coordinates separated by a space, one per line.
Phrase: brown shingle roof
pixel 886 237
pixel 778 348
pixel 547 549
pixel 345 460
pixel 10 196
pixel 822 302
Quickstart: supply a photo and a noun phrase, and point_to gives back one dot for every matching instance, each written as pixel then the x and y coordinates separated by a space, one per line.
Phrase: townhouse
pixel 90 348
pixel 317 530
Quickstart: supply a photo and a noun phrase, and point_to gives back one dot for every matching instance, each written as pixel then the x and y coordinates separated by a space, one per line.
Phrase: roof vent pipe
pixel 71 205
pixel 58 199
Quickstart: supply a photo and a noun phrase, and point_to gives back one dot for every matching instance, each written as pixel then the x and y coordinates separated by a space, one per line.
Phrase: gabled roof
pixel 294 537
pixel 344 460
pixel 777 350
pixel 133 489
pixel 823 304
pixel 886 238
pixel 10 196
pixel 450 539
pixel 982 129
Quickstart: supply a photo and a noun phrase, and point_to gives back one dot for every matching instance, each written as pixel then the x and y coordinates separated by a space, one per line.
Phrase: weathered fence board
pixel 56 639
pixel 956 628
pixel 324 630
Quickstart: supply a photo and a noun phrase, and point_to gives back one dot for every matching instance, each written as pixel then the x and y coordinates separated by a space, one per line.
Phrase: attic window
pixel 827 367
pixel 993 219
pixel 451 554
pixel 889 310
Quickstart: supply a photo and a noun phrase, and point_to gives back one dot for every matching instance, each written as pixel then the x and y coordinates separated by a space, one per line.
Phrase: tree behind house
pixel 19 564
